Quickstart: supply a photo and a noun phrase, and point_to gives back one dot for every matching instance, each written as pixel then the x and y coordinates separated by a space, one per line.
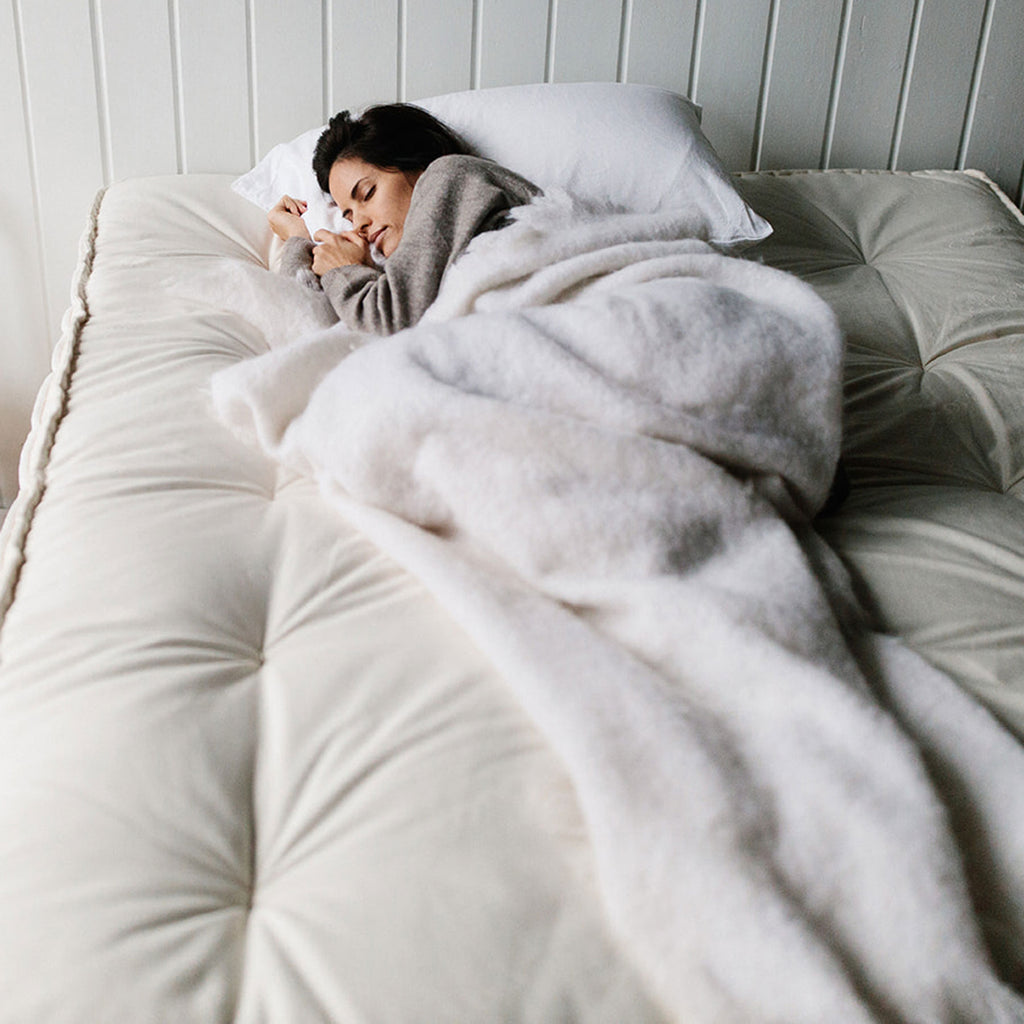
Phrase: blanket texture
pixel 601 449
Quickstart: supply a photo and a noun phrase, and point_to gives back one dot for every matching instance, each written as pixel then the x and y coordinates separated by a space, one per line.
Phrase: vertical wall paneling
pixel 996 143
pixel 250 80
pixel 661 43
pixel 326 60
pixel 732 54
pixel 869 92
pixel 476 46
pixel 439 47
pixel 99 68
pixel 65 120
pixel 625 30
pixel 838 67
pixel 215 74
pixel 23 322
pixel 766 77
pixel 972 99
pixel 177 84
pixel 513 41
pixel 697 50
pixel 587 40
pixel 549 43
pixel 365 53
pixel 797 104
pixel 289 72
pixel 940 86
pixel 402 44
pixel 134 53
pixel 904 91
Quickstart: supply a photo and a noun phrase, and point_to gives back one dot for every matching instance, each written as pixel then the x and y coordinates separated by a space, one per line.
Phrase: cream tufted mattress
pixel 252 772
pixel 926 272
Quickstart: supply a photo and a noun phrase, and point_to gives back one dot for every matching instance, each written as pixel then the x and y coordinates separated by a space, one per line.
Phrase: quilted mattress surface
pixel 926 273
pixel 252 772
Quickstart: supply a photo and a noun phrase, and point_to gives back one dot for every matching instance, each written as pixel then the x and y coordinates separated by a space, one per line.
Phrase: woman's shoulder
pixel 460 168
pixel 460 164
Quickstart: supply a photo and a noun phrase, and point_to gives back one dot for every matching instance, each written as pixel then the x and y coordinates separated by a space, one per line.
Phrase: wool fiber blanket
pixel 601 449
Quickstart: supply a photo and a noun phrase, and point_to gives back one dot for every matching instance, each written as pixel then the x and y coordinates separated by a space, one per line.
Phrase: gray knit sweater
pixel 455 199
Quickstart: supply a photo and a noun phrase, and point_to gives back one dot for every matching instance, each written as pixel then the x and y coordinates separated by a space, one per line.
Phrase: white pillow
pixel 634 146
pixel 287 170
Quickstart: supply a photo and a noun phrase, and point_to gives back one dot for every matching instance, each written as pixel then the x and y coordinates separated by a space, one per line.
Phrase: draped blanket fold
pixel 600 449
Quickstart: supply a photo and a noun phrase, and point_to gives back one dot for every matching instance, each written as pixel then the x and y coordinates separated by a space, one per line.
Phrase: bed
pixel 254 769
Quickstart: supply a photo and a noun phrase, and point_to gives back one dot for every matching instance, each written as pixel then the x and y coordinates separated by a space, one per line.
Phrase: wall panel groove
pixel 972 101
pixel 476 46
pixel 31 155
pixel 99 61
pixel 403 49
pixel 625 26
pixel 838 66
pixel 696 51
pixel 174 22
pixel 904 94
pixel 327 60
pixel 250 54
pixel 765 86
pixel 550 41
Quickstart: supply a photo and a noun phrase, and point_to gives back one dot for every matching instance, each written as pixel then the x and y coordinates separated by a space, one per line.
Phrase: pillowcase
pixel 636 147
pixel 287 170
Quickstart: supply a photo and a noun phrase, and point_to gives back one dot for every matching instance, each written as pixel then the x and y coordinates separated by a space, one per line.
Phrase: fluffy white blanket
pixel 600 449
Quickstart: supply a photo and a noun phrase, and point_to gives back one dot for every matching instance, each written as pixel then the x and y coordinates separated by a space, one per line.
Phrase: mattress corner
pixel 999 193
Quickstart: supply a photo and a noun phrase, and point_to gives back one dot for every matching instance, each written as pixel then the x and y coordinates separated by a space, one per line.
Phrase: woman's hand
pixel 342 250
pixel 286 218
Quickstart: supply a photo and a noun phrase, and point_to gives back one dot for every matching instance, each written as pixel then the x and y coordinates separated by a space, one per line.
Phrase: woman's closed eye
pixel 347 214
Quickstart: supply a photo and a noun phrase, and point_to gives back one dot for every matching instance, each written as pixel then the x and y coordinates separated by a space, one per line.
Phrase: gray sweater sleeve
pixel 297 261
pixel 455 199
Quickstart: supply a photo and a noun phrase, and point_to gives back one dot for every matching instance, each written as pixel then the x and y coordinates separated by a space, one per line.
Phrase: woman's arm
pixel 306 260
pixel 455 199
pixel 297 254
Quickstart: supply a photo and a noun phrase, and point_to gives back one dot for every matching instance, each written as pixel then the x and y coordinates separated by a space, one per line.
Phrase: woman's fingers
pixel 286 218
pixel 338 250
pixel 286 204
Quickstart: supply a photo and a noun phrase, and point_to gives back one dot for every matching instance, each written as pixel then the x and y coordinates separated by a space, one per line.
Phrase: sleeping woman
pixel 415 199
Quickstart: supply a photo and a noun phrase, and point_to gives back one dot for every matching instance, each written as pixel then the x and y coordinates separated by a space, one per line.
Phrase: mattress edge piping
pixel 48 412
pixel 967 172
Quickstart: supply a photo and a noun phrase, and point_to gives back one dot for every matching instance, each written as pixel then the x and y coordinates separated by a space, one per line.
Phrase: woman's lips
pixel 376 235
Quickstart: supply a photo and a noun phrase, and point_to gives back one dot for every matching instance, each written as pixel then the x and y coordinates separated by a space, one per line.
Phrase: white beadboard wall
pixel 92 91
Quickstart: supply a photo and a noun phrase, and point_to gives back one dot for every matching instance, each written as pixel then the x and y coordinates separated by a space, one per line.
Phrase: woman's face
pixel 374 199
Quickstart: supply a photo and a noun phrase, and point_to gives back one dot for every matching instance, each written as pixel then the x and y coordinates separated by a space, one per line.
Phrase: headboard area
pixel 100 90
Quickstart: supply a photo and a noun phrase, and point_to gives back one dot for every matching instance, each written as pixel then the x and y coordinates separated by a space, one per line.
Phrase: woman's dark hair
pixel 398 136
